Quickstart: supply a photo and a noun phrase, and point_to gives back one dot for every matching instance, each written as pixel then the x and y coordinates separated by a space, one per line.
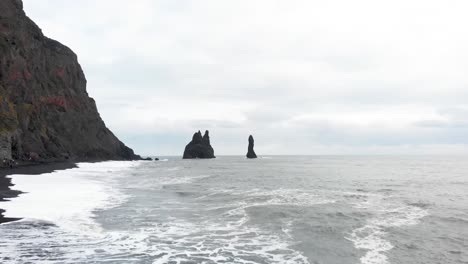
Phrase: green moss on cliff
pixel 8 116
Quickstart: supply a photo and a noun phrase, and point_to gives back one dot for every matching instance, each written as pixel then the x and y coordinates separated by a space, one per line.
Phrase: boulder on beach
pixel 199 147
pixel 250 152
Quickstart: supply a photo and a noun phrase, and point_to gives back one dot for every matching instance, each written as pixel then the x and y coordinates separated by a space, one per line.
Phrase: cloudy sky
pixel 302 76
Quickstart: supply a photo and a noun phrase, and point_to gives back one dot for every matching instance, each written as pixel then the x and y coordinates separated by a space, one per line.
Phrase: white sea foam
pixel 371 237
pixel 177 241
pixel 209 242
pixel 68 198
pixel 293 197
pixel 208 221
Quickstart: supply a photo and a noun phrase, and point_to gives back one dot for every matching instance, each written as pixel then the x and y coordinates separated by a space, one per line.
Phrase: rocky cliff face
pixel 45 111
pixel 199 147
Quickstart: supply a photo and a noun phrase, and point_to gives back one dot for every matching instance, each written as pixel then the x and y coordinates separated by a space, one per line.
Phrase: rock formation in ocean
pixel 250 152
pixel 199 147
pixel 45 111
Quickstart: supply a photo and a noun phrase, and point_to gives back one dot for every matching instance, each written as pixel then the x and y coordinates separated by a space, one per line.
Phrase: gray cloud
pixel 306 77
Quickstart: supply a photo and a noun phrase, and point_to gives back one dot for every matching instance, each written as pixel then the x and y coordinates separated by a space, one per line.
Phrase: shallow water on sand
pixel 279 209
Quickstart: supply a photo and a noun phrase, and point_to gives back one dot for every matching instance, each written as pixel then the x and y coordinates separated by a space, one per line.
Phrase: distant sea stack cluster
pixel 45 111
pixel 200 147
pixel 150 159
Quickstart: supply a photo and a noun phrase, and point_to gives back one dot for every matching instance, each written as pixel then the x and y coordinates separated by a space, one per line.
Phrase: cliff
pixel 45 111
pixel 199 147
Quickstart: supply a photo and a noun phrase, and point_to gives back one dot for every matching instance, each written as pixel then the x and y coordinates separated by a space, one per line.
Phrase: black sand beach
pixel 6 187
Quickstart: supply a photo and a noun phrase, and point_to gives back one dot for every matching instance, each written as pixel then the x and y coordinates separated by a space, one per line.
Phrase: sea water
pixel 279 209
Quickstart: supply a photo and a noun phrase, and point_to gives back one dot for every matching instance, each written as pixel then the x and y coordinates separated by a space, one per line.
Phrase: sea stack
pixel 199 147
pixel 45 111
pixel 251 153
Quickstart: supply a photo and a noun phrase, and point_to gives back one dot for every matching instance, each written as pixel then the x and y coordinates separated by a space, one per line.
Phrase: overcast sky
pixel 302 76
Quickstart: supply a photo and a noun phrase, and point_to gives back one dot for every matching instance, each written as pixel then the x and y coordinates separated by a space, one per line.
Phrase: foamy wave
pixel 209 242
pixel 68 198
pixel 293 197
pixel 231 239
pixel 371 237
pixel 176 241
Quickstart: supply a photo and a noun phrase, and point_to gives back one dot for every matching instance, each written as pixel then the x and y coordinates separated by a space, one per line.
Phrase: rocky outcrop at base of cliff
pixel 5 194
pixel 250 151
pixel 199 147
pixel 45 111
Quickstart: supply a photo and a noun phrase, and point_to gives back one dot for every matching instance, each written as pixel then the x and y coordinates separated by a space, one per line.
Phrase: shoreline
pixel 7 190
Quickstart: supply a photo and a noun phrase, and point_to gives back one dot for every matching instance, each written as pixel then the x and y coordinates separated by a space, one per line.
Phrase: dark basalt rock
pixel 251 153
pixel 45 111
pixel 199 147
pixel 6 220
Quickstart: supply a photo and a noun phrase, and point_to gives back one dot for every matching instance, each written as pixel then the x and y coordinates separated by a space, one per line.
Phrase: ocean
pixel 278 209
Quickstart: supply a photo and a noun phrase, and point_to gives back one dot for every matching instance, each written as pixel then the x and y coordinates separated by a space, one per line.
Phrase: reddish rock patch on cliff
pixel 44 106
